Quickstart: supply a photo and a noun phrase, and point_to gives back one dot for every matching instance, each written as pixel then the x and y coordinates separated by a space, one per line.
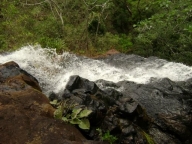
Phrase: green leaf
pixel 58 113
pixel 68 116
pixel 54 102
pixel 107 136
pixel 75 112
pixel 84 113
pixel 100 131
pixel 84 124
pixel 65 119
pixel 75 121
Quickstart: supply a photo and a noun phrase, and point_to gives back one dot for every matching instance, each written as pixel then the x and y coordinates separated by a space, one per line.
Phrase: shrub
pixel 167 33
pixel 67 112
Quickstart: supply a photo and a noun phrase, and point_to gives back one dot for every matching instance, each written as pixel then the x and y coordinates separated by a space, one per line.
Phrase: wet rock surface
pixel 159 112
pixel 167 104
pixel 26 117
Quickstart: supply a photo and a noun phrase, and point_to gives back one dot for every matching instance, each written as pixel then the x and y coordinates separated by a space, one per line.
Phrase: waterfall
pixel 53 70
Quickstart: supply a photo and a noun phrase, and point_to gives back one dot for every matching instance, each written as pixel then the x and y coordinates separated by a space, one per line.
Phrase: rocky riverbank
pixel 26 117
pixel 158 112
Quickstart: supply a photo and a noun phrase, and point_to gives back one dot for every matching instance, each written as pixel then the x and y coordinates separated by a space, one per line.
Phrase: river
pixel 53 70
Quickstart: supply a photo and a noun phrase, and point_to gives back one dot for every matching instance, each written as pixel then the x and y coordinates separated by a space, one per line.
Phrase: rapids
pixel 53 70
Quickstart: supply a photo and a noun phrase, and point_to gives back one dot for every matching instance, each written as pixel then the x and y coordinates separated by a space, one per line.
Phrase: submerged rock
pixel 25 113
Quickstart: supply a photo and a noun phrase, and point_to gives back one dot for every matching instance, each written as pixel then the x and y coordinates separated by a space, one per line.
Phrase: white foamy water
pixel 53 70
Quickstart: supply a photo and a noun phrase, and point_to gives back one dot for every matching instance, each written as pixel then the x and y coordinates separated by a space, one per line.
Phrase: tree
pixel 167 33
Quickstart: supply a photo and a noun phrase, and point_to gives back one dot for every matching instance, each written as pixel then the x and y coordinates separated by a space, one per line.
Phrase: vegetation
pixel 107 136
pixel 168 33
pixel 160 28
pixel 68 112
pixel 148 138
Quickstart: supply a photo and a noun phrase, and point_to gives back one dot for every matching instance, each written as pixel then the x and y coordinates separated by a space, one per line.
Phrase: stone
pixel 77 82
pixel 158 112
pixel 26 117
pixel 111 110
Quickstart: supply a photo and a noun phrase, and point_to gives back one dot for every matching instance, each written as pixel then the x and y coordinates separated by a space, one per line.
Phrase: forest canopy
pixel 160 28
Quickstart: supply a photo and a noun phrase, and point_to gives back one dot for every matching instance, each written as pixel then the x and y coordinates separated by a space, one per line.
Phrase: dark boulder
pixel 86 93
pixel 77 82
pixel 26 117
pixel 168 104
pixel 159 112
pixel 112 111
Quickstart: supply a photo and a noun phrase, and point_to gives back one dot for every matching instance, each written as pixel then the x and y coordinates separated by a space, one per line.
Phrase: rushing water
pixel 53 70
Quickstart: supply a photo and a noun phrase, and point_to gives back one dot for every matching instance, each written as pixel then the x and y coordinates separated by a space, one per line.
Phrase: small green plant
pixel 125 43
pixel 107 136
pixel 148 138
pixel 67 112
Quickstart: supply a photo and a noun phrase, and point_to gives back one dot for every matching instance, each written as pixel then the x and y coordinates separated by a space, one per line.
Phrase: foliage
pixel 160 28
pixel 121 42
pixel 148 138
pixel 67 112
pixel 121 16
pixel 107 136
pixel 70 25
pixel 166 34
pixel 125 43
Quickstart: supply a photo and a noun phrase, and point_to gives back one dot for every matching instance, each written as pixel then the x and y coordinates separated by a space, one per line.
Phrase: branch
pixel 51 9
pixel 91 3
pixel 129 10
pixel 57 9
pixel 53 6
pixel 139 9
pixel 38 3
